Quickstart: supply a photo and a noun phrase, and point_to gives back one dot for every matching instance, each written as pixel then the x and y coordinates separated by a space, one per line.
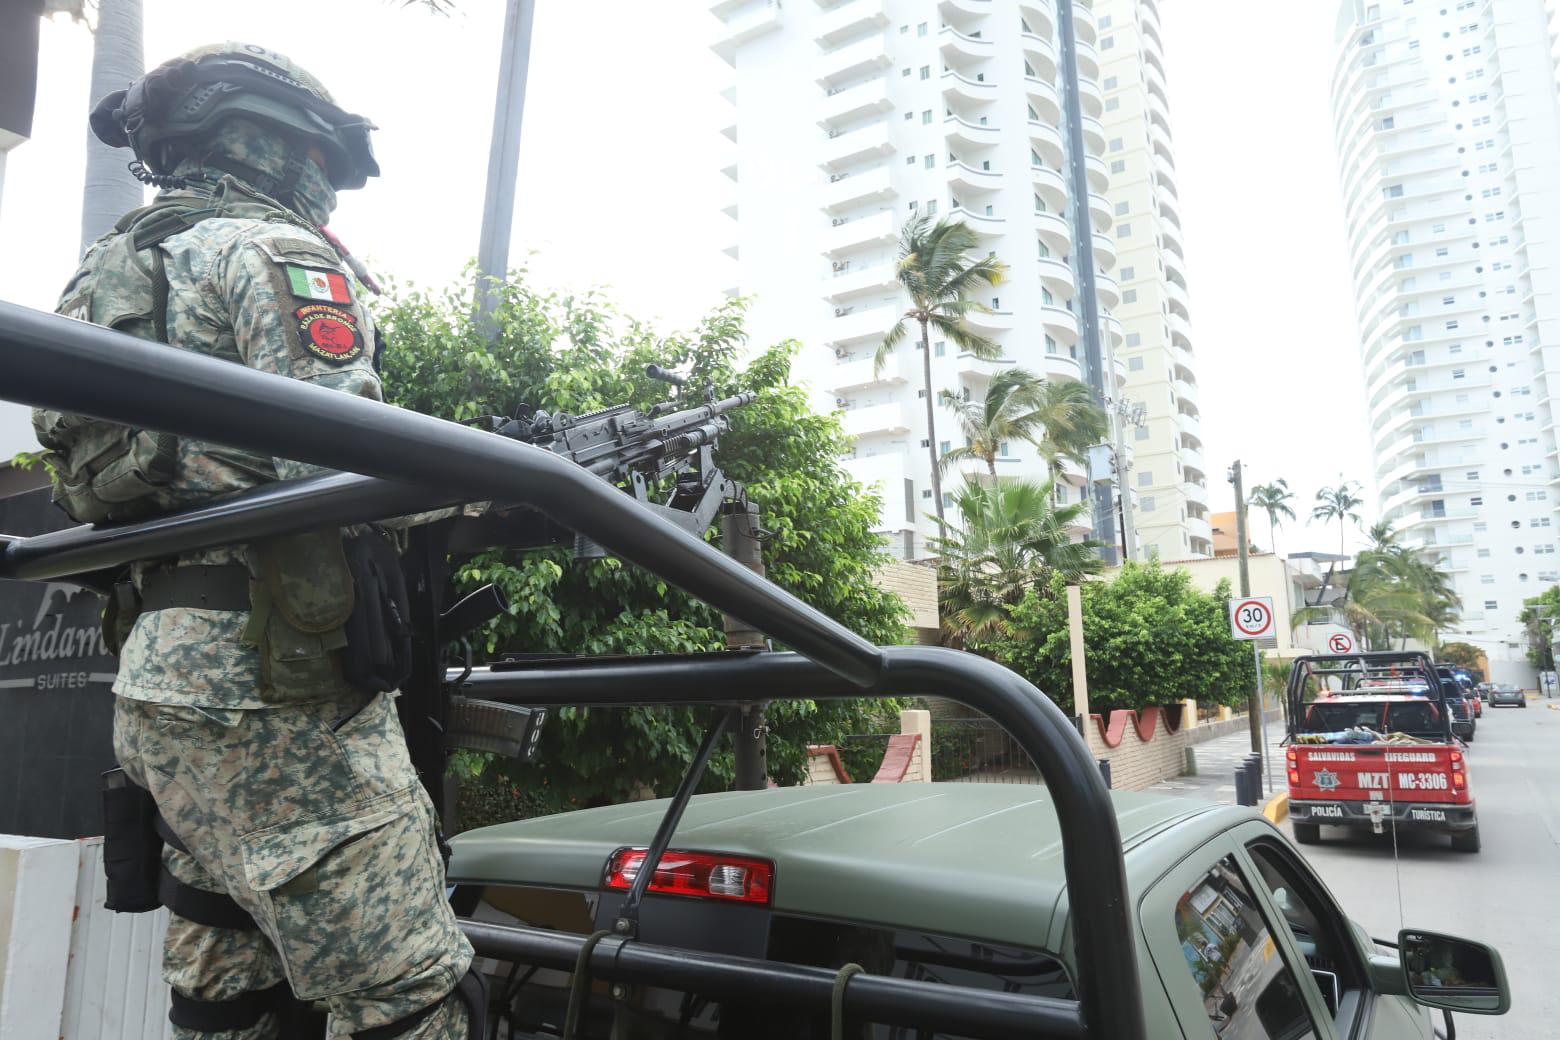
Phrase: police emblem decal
pixel 1326 780
pixel 329 333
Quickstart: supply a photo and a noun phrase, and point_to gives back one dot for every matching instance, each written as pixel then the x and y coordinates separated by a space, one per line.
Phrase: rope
pixel 579 985
pixel 837 1000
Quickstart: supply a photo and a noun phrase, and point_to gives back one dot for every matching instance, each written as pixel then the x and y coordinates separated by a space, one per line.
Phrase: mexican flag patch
pixel 314 284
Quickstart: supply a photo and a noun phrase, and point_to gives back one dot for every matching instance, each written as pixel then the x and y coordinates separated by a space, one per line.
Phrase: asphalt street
pixel 1507 894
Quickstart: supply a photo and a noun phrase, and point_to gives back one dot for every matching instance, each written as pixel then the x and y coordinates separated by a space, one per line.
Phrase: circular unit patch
pixel 329 333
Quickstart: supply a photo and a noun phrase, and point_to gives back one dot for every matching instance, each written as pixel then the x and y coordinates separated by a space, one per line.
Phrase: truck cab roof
pixel 949 858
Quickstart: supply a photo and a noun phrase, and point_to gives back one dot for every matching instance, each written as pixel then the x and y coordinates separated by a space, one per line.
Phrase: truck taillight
pixel 1459 779
pixel 1294 777
pixel 1457 759
pixel 703 875
pixel 1292 755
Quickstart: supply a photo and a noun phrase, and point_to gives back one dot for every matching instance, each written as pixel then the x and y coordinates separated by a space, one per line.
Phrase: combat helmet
pixel 167 113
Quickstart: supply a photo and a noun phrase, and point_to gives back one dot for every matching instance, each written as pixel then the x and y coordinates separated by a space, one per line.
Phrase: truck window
pixel 1249 993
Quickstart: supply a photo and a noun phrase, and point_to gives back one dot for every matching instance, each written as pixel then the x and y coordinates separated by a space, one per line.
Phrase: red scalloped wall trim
pixel 1145 722
pixel 830 754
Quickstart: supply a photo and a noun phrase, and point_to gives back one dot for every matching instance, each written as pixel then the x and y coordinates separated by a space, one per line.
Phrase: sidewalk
pixel 1216 762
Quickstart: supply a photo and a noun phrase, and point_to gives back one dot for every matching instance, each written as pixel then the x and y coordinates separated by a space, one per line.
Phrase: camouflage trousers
pixel 311 817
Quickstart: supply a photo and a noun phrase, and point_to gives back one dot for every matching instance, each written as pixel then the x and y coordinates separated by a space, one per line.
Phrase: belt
pixel 201 586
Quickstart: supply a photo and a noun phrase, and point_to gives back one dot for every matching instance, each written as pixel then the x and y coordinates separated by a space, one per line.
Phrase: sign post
pixel 1252 618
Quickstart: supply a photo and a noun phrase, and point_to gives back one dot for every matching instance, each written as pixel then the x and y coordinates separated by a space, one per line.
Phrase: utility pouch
pixel 119 614
pixel 132 849
pixel 379 632
pixel 300 603
pixel 111 472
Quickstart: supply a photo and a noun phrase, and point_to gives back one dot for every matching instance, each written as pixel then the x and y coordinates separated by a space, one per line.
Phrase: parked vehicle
pixel 1505 693
pixel 1372 744
pixel 1456 689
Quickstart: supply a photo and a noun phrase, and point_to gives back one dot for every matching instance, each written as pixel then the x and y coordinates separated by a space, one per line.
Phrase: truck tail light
pixel 702 875
pixel 1294 777
pixel 1459 780
pixel 1457 759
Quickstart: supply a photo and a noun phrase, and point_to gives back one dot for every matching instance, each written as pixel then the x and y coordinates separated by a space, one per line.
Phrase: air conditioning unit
pixel 840 353
pixel 841 265
pixel 833 134
pixel 840 402
pixel 840 312
pixel 837 221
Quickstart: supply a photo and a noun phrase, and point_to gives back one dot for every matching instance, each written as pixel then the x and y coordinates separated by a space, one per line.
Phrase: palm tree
pixel 1008 412
pixel 939 278
pixel 1073 423
pixel 1339 503
pixel 1273 499
pixel 1382 537
pixel 1012 537
pixel 109 192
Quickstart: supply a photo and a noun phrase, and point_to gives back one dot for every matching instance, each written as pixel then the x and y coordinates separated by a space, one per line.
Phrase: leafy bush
pixel 1152 639
pixel 575 354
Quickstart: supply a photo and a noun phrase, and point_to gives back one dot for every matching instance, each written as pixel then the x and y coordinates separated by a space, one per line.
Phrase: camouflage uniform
pixel 298 799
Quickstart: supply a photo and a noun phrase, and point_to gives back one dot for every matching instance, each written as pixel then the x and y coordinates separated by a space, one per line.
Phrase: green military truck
pixel 910 911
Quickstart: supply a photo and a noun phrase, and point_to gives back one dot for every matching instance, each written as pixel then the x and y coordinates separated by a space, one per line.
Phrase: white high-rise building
pixel 851 117
pixel 1448 139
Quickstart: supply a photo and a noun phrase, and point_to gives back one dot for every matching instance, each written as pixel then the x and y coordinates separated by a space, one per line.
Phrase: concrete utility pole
pixel 498 205
pixel 1253 703
pixel 108 191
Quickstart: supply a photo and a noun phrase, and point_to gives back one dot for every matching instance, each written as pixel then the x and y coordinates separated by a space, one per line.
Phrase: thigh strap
pixel 213 909
pixel 218 1016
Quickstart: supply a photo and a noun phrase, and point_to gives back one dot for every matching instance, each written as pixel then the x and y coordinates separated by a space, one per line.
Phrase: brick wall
pixel 1135 763
pixel 917 586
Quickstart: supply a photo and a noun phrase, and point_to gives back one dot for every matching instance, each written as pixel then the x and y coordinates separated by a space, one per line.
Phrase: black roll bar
pixel 73 366
pixel 959 1010
pixel 1363 665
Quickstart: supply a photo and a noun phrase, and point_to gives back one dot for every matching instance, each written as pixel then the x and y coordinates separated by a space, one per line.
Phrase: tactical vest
pixel 301 591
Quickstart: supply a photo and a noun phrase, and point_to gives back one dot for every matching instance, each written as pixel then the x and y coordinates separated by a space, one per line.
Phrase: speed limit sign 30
pixel 1252 618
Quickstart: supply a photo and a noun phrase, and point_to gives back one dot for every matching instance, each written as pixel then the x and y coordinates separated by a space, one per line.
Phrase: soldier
pixel 301 848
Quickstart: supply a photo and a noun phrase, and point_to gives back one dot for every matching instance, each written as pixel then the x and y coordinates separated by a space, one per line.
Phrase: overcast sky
pixel 620 184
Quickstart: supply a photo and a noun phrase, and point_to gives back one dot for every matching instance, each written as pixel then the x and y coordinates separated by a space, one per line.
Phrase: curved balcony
pixel 1084 26
pixel 1088 60
pixel 1164 172
pixel 854 103
pixel 1057 276
pixel 1108 290
pixel 1112 328
pixel 1176 301
pixel 1120 368
pixel 960 51
pixel 961 11
pixel 1183 390
pixel 971 135
pixel 1183 357
pixel 744 28
pixel 966 89
pixel 1061 366
pixel 1044 99
pixel 1190 426
pixel 1098 173
pixel 1047 141
pixel 1060 324
pixel 1195 492
pixel 848 282
pixel 1040 53
pixel 989 323
pixel 1104 250
pixel 1093 135
pixel 848 190
pixel 1192 462
pixel 1041 16
pixel 972 367
pixel 1054 232
pixel 1101 216
pixel 1180 332
pixel 1199 533
pixel 990 227
pixel 1071 472
pixel 967 178
pixel 1090 99
pixel 1050 186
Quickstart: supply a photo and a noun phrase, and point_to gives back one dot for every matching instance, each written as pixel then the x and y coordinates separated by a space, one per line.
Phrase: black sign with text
pixel 55 696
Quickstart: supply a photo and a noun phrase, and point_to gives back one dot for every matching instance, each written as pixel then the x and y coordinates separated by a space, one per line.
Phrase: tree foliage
pixel 1152 638
pixel 1395 593
pixel 938 276
pixel 576 354
pixel 1464 655
pixel 1539 616
pixel 1011 538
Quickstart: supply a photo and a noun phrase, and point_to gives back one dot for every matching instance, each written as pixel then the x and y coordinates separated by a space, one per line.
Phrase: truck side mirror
pixel 1443 971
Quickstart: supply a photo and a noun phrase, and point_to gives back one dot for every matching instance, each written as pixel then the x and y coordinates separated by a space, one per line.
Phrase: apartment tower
pixel 1448 143
pixel 852 117
pixel 1164 425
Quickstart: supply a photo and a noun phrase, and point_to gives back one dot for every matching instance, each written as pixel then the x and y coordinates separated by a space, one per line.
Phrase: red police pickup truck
pixel 1370 745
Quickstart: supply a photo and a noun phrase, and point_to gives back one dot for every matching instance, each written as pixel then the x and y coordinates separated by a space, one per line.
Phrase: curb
pixel 1277 808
